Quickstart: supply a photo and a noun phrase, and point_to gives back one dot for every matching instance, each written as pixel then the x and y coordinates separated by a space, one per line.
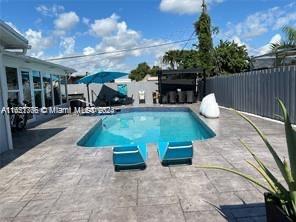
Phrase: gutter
pixel 32 59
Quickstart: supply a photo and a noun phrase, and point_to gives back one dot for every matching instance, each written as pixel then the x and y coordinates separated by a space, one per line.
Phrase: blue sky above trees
pixel 63 28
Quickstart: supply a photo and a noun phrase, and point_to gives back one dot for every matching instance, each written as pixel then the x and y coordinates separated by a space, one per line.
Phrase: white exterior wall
pixel 20 64
pixel 4 143
pixel 5 132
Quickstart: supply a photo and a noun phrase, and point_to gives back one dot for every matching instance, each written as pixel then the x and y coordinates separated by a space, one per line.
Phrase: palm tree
pixel 171 58
pixel 289 42
pixel 167 59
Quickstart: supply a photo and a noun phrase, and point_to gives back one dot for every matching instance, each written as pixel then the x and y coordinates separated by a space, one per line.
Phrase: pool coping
pixel 144 109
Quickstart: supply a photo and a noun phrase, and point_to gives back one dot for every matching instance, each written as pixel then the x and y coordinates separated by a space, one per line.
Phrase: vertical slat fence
pixel 256 91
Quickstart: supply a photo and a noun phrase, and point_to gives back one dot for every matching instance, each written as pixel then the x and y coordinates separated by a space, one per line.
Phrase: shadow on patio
pixel 243 212
pixel 23 141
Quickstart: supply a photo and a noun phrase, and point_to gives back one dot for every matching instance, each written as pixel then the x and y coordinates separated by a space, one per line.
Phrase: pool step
pixel 152 155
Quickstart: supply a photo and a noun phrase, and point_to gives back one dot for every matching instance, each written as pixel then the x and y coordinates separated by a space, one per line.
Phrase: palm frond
pixel 265 177
pixel 275 156
pixel 274 180
pixel 247 177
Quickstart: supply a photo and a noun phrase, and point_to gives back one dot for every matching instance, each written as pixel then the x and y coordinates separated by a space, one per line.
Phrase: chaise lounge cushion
pixel 130 155
pixel 175 150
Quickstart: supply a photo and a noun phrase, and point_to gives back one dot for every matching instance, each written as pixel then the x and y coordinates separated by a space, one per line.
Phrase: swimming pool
pixel 146 125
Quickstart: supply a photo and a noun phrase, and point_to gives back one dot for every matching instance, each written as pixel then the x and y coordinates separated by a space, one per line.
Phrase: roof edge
pixel 36 60
pixel 15 33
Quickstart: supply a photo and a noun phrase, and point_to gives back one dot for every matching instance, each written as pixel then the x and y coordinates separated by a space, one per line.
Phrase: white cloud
pixel 51 11
pixel 184 6
pixel 85 20
pixel 124 38
pixel 66 21
pixel 254 25
pixel 121 37
pixel 257 24
pixel 38 42
pixel 118 37
pixel 267 48
pixel 115 35
pixel 68 45
pixel 262 22
pixel 104 27
pixel 88 50
pixel 285 20
pixel 117 61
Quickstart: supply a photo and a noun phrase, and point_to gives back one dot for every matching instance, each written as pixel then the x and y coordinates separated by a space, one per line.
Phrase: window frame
pixel 18 83
pixel 22 86
pixel 42 74
pixel 45 75
pixel 59 85
pixel 66 88
pixel 39 89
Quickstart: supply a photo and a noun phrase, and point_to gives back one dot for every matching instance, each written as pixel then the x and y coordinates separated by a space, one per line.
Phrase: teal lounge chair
pixel 175 153
pixel 129 157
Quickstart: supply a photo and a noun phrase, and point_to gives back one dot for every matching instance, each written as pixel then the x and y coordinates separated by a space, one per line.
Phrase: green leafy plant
pixel 203 30
pixel 289 41
pixel 281 48
pixel 287 196
pixel 231 58
pixel 142 70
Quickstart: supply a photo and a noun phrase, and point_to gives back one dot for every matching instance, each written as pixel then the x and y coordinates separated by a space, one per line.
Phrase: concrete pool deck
pixel 49 178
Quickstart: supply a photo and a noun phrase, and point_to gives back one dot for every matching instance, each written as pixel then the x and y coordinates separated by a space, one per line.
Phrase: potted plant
pixel 280 201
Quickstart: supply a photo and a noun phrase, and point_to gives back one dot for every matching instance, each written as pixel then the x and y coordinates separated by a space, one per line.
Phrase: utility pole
pixel 87 87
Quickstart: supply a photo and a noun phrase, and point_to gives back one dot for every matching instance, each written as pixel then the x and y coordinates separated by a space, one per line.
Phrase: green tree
pixel 154 70
pixel 231 58
pixel 170 58
pixel 140 72
pixel 183 59
pixel 203 31
pixel 189 59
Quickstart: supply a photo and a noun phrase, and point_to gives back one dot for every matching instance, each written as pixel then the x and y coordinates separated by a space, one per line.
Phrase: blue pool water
pixel 142 127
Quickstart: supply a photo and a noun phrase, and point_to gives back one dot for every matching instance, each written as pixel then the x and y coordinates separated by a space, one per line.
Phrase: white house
pixel 281 57
pixel 24 78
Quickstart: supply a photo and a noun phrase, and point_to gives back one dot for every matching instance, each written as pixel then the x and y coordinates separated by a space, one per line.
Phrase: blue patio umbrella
pixel 100 77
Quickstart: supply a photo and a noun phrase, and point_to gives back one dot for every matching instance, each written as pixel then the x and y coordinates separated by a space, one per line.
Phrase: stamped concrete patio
pixel 49 178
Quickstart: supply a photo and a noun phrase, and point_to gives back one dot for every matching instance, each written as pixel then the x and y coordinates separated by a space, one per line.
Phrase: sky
pixel 83 27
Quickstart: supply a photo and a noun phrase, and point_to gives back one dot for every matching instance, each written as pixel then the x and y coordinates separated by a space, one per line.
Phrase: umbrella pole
pixel 87 86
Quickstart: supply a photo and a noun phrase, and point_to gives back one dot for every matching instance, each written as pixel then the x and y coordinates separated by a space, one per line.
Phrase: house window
pixel 26 87
pixel 36 79
pixel 37 88
pixel 13 98
pixel 56 89
pixel 47 87
pixel 64 88
pixel 12 80
pixel 13 86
